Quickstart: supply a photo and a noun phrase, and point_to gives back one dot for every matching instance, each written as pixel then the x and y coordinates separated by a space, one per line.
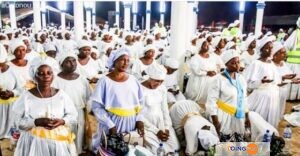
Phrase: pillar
pixel 260 6
pixel 190 21
pixel 178 28
pixel 88 14
pixel 127 6
pixel 148 15
pixel 43 11
pixel 37 16
pixel 195 17
pixel 78 19
pixel 12 15
pixel 94 15
pixel 241 15
pixel 118 13
pixel 162 9
pixel 134 13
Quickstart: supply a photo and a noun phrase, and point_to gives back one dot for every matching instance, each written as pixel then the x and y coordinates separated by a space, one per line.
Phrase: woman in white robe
pixel 188 122
pixel 146 59
pixel 10 89
pixel 158 124
pixel 284 73
pixel 226 101
pixel 117 100
pixel 203 69
pixel 87 67
pixel 78 90
pixel 248 56
pixel 262 79
pixel 19 64
pixel 44 116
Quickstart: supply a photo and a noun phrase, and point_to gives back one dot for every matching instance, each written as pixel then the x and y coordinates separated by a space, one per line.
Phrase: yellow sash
pixel 8 101
pixel 230 109
pixel 61 133
pixel 125 112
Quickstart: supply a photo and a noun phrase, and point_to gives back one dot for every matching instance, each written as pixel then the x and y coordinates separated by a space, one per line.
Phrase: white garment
pixel 23 73
pixel 170 82
pixel 283 90
pixel 265 96
pixel 198 82
pixel 8 81
pixel 222 89
pixel 69 46
pixel 31 56
pixel 157 118
pixel 294 89
pixel 89 70
pixel 247 59
pixel 79 91
pixel 138 67
pixel 28 108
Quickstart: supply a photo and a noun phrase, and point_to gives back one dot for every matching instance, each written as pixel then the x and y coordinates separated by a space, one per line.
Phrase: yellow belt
pixel 125 112
pixel 228 108
pixel 8 101
pixel 61 133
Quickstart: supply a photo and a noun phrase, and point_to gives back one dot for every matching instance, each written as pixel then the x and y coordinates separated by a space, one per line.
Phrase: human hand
pixel 56 122
pixel 211 73
pixel 288 76
pixel 265 80
pixel 113 131
pixel 140 128
pixel 162 135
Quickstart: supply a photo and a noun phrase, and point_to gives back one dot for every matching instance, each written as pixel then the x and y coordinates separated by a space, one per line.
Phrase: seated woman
pixel 189 124
pixel 157 121
pixel 117 99
pixel 10 89
pixel 79 91
pixel 146 59
pixel 171 81
pixel 44 116
pixel 228 90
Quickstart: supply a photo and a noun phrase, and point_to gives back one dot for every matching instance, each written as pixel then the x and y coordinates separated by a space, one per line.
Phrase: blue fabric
pixel 240 112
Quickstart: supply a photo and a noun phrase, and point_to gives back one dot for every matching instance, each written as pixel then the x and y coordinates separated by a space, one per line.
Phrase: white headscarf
pixel 84 43
pixel 264 41
pixel 229 54
pixel 216 41
pixel 49 47
pixel 172 63
pixel 115 55
pixel 156 71
pixel 248 41
pixel 229 45
pixel 276 47
pixel 64 56
pixel 207 139
pixel 35 65
pixel 147 48
pixel 15 44
pixel 199 44
pixel 298 22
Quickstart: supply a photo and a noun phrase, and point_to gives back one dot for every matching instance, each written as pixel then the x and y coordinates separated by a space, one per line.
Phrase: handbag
pixel 133 138
pixel 113 145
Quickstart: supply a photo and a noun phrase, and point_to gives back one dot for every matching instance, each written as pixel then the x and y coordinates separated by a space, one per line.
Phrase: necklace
pixel 41 92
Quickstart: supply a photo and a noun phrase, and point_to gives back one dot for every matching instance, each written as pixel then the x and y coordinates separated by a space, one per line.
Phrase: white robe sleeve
pixel 213 96
pixel 165 111
pixel 70 112
pixel 196 69
pixel 290 42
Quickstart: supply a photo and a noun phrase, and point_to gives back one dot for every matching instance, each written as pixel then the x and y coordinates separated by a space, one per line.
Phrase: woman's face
pixel 20 52
pixel 69 65
pixel 85 52
pixel 122 63
pixel 51 53
pixel 44 75
pixel 149 41
pixel 266 50
pixel 280 55
pixel 150 53
pixel 252 44
pixel 205 46
pixel 233 65
pixel 221 44
pixel 154 83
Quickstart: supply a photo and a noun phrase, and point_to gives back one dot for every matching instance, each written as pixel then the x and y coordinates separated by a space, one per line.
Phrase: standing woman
pixel 284 73
pixel 19 64
pixel 78 90
pixel 226 101
pixel 44 116
pixel 203 68
pixel 248 56
pixel 117 99
pixel 262 78
pixel 10 89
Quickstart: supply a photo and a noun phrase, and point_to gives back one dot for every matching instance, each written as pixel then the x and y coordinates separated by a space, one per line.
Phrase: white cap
pixel 207 139
pixel 276 47
pixel 172 63
pixel 156 71
pixel 229 54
